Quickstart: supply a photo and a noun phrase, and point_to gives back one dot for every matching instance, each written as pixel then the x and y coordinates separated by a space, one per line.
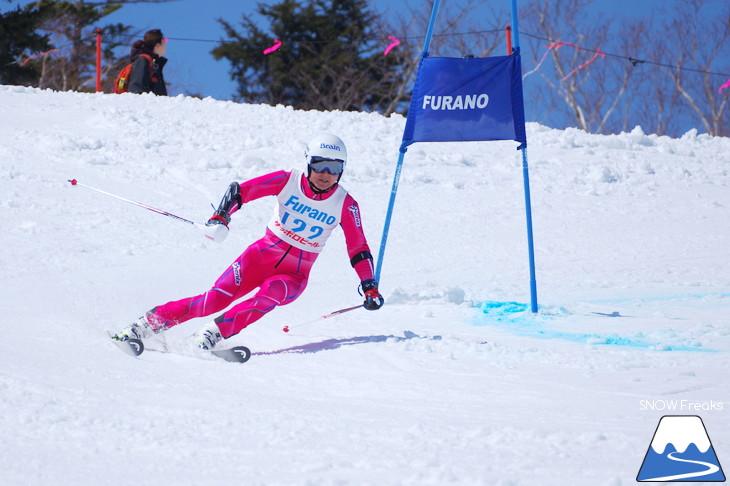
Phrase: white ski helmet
pixel 326 146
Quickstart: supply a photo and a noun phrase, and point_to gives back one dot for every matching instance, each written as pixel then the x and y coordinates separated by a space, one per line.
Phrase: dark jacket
pixel 144 80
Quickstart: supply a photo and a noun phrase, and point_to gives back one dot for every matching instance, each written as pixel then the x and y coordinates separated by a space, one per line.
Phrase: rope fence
pixel 392 42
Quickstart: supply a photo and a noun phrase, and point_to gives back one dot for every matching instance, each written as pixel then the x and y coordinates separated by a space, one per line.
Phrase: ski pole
pixel 74 182
pixel 326 316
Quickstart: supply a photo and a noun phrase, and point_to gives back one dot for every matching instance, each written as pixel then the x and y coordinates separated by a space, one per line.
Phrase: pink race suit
pixel 278 269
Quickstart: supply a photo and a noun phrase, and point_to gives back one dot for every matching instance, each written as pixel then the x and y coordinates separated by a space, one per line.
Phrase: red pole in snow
pixel 98 59
pixel 509 39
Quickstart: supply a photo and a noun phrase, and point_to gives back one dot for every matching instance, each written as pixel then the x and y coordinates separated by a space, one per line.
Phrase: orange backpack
pixel 121 84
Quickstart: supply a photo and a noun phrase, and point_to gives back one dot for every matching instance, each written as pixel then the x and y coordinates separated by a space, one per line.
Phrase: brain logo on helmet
pixel 329 146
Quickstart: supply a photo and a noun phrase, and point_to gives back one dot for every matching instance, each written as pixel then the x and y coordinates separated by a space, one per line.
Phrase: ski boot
pixel 139 329
pixel 208 336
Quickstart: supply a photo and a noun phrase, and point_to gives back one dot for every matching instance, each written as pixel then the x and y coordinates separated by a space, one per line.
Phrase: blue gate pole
pixel 528 216
pixel 391 203
pixel 515 26
pixel 401 155
pixel 429 30
pixel 526 181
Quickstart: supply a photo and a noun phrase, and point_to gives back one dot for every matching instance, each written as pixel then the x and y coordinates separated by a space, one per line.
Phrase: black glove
pixel 373 299
pixel 231 201
pixel 216 228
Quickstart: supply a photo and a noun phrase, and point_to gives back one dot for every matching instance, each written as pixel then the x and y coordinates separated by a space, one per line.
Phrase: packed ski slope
pixel 454 381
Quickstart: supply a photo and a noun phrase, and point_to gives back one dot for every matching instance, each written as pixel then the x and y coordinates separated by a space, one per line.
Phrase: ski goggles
pixel 321 164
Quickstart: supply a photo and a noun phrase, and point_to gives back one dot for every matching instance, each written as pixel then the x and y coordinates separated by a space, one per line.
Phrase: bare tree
pixel 622 78
pixel 567 56
pixel 458 33
pixel 677 80
pixel 697 57
pixel 71 26
pixel 655 102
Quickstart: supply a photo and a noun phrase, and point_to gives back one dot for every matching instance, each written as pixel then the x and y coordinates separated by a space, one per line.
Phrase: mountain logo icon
pixel 681 451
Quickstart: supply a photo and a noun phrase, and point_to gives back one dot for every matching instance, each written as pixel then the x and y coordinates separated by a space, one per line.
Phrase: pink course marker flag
pixel 269 50
pixel 35 56
pixel 726 85
pixel 558 45
pixel 392 44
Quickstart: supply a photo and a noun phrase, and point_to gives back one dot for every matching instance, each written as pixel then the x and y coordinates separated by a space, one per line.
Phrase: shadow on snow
pixel 330 344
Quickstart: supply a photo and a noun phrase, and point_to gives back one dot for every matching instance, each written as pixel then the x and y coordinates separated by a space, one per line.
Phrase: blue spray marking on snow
pixel 514 317
pixel 664 298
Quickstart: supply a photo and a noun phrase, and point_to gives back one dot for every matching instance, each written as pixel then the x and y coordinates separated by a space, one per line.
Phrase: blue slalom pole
pixel 530 245
pixel 401 155
pixel 388 215
pixel 526 180
pixel 515 26
pixel 429 30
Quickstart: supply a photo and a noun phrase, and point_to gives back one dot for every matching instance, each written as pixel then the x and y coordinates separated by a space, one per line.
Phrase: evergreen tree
pixel 19 39
pixel 72 26
pixel 69 27
pixel 331 56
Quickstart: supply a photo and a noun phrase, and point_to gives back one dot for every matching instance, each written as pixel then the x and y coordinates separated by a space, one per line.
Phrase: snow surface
pixel 454 381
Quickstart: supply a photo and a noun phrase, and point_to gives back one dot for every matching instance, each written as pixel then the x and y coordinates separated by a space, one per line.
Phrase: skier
pixel 309 207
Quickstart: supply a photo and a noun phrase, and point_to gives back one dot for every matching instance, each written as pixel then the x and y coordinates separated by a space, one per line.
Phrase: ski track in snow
pixel 454 381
